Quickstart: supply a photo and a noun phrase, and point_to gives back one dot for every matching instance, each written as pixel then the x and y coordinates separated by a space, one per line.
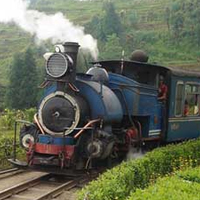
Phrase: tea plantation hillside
pixel 166 29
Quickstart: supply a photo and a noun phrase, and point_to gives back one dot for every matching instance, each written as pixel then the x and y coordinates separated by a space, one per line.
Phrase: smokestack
pixel 71 49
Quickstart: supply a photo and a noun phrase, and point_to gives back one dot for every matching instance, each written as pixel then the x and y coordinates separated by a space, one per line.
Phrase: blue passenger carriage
pixel 183 119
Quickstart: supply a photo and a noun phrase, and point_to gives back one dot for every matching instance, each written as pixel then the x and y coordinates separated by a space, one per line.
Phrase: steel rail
pixel 22 186
pixel 64 187
pixel 10 172
pixel 17 191
pixel 59 190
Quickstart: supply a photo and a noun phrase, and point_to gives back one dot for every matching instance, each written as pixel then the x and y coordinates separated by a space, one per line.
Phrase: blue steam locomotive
pixel 86 120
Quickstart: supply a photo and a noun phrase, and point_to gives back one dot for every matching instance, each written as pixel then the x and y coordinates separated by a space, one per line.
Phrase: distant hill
pixel 148 26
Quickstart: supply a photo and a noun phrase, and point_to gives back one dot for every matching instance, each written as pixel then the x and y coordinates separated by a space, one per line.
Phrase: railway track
pixel 10 172
pixel 46 186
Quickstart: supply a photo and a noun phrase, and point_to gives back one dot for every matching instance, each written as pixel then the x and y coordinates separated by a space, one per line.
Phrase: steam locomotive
pixel 93 119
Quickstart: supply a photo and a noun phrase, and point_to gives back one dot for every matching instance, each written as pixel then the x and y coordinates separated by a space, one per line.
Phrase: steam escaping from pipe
pixel 134 153
pixel 55 28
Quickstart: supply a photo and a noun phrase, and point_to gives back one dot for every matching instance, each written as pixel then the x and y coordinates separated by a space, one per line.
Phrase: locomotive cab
pixel 136 84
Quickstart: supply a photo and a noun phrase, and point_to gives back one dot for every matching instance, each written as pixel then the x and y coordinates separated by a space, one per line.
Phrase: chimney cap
pixel 71 44
pixel 71 47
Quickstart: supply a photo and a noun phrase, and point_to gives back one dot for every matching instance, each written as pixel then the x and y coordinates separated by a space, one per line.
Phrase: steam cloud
pixel 45 27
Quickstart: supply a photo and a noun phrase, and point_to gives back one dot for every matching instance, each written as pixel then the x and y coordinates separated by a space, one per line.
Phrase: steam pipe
pixel 86 126
pixel 140 132
pixel 38 124
pixel 73 87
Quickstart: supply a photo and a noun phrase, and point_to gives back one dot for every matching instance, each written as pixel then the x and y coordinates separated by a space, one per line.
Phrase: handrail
pixel 86 126
pixel 38 124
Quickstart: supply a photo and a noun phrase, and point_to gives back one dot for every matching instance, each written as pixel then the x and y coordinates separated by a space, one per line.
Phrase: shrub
pixel 8 117
pixel 29 114
pixel 192 175
pixel 169 188
pixel 6 151
pixel 7 121
pixel 118 182
pixel 183 185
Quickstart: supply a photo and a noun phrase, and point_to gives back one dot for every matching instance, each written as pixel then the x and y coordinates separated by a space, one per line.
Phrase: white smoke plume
pixel 45 27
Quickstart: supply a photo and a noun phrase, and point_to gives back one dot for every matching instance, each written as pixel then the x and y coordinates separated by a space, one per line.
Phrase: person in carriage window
pixel 162 97
pixel 186 108
pixel 162 90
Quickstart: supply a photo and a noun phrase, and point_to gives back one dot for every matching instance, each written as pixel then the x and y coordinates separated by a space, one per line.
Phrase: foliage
pixel 22 90
pixel 191 174
pixel 111 23
pixel 83 60
pixel 184 17
pixel 133 19
pixel 94 27
pixel 118 182
pixel 112 48
pixel 108 24
pixel 6 149
pixel 8 117
pixel 7 122
pixel 170 188
pixel 183 185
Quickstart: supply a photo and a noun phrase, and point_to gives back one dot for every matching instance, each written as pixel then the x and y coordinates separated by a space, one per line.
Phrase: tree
pixel 112 48
pixel 111 22
pixel 133 19
pixel 107 24
pixel 197 22
pixel 94 27
pixel 30 79
pixel 167 17
pixel 22 90
pixel 177 24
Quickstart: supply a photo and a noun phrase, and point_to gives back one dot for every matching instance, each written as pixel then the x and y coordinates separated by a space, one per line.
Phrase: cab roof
pixel 121 67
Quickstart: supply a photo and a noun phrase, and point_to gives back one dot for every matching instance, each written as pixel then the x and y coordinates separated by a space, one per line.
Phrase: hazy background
pixel 168 30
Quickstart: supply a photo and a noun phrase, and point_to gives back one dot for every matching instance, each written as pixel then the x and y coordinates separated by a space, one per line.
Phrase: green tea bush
pixel 192 175
pixel 183 185
pixel 169 188
pixel 118 182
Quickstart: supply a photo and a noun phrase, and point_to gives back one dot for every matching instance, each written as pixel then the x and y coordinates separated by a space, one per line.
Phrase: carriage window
pixel 179 99
pixel 192 97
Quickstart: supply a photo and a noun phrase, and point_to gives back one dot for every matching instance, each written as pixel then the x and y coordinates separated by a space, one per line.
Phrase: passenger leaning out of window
pixel 162 91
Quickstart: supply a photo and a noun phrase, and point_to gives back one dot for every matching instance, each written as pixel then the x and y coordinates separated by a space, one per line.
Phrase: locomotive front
pixel 73 124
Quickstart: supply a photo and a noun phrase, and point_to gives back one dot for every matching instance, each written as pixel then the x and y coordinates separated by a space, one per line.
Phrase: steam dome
pixel 139 56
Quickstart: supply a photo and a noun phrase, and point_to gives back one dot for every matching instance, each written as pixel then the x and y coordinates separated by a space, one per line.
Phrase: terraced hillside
pixel 150 23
